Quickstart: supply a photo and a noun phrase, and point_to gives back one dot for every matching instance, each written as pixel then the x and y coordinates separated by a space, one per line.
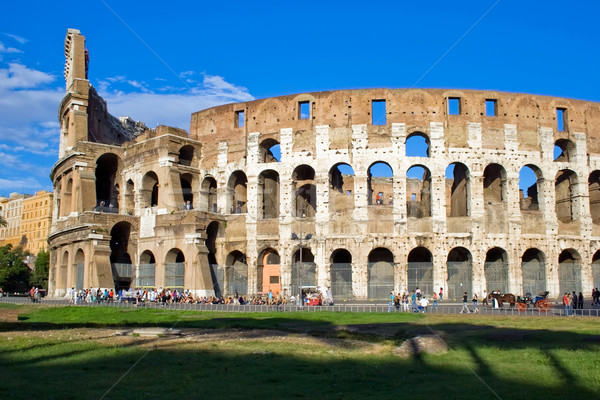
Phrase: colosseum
pixel 361 191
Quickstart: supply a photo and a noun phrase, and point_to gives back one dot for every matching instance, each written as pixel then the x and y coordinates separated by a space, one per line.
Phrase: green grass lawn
pixel 72 353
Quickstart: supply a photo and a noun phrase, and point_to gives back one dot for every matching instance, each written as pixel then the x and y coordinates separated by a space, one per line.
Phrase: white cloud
pixel 18 76
pixel 4 49
pixel 19 39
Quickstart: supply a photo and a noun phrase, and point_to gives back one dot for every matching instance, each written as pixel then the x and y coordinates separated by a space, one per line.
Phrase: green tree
pixel 14 273
pixel 39 276
pixel 2 221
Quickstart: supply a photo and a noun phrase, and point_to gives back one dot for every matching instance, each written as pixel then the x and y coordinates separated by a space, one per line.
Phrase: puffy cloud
pixel 4 49
pixel 18 76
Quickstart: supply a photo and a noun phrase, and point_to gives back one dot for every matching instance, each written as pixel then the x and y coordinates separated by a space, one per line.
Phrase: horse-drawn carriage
pixel 540 302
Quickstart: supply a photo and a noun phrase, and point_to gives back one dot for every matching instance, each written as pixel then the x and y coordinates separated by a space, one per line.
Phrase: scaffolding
pixel 341 281
pixel 420 275
pixel 460 279
pixel 381 280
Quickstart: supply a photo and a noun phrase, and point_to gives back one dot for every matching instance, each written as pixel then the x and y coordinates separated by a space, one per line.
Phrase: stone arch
pixel 564 150
pixel 214 230
pixel 304 269
pixel 208 195
pixel 420 270
pixel 460 273
pixel 596 269
pixel 67 199
pixel 569 271
pixel 269 271
pixel 458 190
pixel 175 269
pixel 237 273
pixel 269 151
pixel 494 184
pixel 268 194
pixel 380 183
pixel 380 273
pixel 496 270
pixel 186 155
pixel 108 168
pixel 418 192
pixel 62 273
pixel 341 274
pixel 594 196
pixel 417 144
pixel 79 268
pixel 186 181
pixel 341 189
pixel 149 193
pixel 305 191
pixel 565 188
pixel 129 197
pixel 530 193
pixel 237 201
pixel 120 255
pixel 533 269
pixel 146 274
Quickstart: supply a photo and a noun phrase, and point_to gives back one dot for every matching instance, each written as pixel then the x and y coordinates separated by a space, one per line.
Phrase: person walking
pixel 465 307
pixel 484 300
pixel 434 304
pixel 441 294
pixel 475 309
pixel 580 301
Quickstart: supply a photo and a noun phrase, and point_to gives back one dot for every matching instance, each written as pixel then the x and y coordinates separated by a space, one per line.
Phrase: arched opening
pixel 186 155
pixel 269 274
pixel 564 150
pixel 458 191
pixel 596 269
pixel 305 191
pixel 120 259
pixel 107 166
pixel 62 278
pixel 67 198
pixel 380 274
pixel 268 194
pixel 149 192
pixel 145 277
pixel 175 269
pixel 214 231
pixel 494 187
pixel 341 189
pixel 236 193
pixel 341 275
pixel 269 151
pixel 380 184
pixel 569 272
pixel 79 269
pixel 496 270
pixel 208 194
pixel 460 273
pixel 417 145
pixel 594 193
pixel 565 189
pixel 530 179
pixel 186 190
pixel 304 270
pixel 418 192
pixel 129 197
pixel 237 273
pixel 533 268
pixel 420 270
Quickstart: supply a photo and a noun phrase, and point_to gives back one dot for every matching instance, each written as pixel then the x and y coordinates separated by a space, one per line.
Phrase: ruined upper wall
pixel 414 107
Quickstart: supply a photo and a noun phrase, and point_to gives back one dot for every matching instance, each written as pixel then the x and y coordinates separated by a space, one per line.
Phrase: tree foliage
pixel 14 272
pixel 39 276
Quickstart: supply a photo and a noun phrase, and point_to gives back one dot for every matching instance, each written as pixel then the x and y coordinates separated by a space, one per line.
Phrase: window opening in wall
pixel 304 109
pixel 239 119
pixel 560 119
pixel 378 111
pixel 417 145
pixel 379 183
pixel 490 108
pixel 453 105
pixel 564 150
pixel 418 189
pixel 413 196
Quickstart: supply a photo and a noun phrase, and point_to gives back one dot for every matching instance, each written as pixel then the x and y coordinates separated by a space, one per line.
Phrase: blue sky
pixel 160 61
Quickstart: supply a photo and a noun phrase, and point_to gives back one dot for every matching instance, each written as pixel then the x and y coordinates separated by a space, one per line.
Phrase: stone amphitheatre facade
pixel 364 191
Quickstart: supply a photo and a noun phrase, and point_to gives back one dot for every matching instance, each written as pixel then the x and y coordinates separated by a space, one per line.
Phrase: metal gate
pixel 145 275
pixel 174 275
pixel 303 274
pixel 496 276
pixel 381 280
pixel 534 277
pixel 420 275
pixel 569 277
pixel 596 274
pixel 341 281
pixel 460 280
pixel 237 279
pixel 79 281
pixel 217 275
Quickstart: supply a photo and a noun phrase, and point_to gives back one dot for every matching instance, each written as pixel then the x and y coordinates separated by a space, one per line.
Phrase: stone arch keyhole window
pixel 186 155
pixel 268 194
pixel 594 193
pixel 341 275
pixel 418 192
pixel 565 189
pixel 341 189
pixel 420 270
pixel 530 179
pixel 533 269
pixel 213 232
pixel 120 259
pixel 380 184
pixel 149 192
pixel 460 273
pixel 208 195
pixel 236 193
pixel 496 270
pixel 175 269
pixel 564 150
pixel 186 189
pixel 269 151
pixel 146 273
pixel 569 272
pixel 305 191
pixel 417 145
pixel 107 167
pixel 380 274
pixel 269 273
pixel 237 273
pixel 458 190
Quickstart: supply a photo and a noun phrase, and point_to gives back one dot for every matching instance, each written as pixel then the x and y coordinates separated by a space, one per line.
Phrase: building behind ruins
pixel 364 191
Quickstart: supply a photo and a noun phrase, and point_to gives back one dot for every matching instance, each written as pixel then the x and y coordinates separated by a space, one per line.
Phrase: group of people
pixel 414 301
pixel 573 301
